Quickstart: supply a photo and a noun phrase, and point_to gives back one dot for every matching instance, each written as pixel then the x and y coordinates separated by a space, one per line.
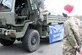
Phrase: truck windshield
pixel 5 5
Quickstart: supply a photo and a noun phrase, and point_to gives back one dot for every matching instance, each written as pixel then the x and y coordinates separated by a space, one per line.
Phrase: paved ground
pixel 45 49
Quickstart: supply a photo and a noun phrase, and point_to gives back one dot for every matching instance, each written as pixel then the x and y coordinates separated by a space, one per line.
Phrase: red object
pixel 68 8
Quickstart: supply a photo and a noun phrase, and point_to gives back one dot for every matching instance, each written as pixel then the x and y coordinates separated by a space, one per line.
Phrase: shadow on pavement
pixel 45 41
pixel 18 49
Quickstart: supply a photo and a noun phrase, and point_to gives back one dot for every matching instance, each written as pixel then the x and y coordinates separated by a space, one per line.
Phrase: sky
pixel 56 7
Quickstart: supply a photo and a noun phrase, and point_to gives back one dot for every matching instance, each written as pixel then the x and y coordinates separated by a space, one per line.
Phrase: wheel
pixel 31 40
pixel 6 42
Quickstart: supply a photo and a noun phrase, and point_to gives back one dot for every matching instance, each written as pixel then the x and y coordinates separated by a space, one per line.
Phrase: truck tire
pixel 31 40
pixel 6 42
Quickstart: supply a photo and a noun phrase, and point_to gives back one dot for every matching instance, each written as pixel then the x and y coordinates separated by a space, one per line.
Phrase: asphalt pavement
pixel 44 49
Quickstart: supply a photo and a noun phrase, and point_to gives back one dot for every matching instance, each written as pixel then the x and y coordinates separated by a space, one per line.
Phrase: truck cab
pixel 20 20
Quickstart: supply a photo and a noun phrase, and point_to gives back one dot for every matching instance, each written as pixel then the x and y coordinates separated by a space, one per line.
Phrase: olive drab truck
pixel 20 20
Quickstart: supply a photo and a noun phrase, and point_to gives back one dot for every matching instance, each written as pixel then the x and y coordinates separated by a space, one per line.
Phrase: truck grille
pixel 0 30
pixel 2 24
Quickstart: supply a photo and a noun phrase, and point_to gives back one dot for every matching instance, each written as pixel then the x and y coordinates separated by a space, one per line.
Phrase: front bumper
pixel 5 33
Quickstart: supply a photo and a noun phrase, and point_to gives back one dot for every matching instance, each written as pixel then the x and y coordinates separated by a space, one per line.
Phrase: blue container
pixel 56 32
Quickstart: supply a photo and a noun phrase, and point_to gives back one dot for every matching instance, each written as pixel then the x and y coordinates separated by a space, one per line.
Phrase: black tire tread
pixel 26 40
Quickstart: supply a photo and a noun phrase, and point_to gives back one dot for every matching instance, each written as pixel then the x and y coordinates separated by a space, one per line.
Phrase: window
pixel 6 5
pixel 33 4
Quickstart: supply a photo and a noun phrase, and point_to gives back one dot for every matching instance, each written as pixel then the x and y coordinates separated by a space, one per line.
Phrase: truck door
pixel 21 10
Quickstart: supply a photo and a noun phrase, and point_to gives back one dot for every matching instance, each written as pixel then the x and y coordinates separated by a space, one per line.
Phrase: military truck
pixel 20 20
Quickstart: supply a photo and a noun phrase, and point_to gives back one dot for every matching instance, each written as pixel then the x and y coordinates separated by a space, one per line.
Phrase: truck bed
pixel 55 19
